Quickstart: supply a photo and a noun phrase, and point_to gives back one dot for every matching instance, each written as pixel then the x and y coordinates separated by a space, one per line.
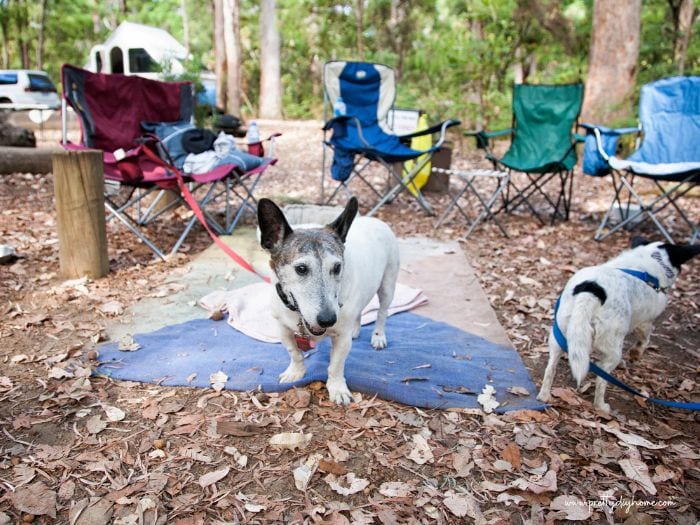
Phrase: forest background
pixel 454 58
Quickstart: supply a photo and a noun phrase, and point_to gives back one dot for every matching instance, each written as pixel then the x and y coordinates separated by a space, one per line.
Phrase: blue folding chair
pixel 362 135
pixel 669 156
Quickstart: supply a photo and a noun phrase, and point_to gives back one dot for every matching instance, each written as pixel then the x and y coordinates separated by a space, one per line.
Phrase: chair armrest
pixel 344 120
pixel 618 131
pixel 483 137
pixel 441 127
pixel 597 130
pixel 489 134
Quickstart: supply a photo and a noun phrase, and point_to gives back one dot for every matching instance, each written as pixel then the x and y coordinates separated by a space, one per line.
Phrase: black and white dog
pixel 324 277
pixel 601 305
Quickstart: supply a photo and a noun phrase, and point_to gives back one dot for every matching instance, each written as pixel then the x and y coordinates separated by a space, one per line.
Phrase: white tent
pixel 137 49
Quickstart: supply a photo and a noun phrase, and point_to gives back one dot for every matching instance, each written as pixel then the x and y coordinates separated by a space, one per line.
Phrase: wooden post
pixel 80 213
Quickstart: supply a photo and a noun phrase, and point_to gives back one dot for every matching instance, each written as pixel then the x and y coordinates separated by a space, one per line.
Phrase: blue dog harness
pixel 653 282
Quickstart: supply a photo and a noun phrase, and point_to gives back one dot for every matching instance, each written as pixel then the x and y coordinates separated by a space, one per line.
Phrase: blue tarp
pixel 427 364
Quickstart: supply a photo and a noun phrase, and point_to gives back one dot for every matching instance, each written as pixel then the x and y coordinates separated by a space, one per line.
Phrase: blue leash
pixel 561 341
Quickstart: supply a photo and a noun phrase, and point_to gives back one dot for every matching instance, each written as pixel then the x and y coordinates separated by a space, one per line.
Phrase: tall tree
pixel 185 24
pixel 360 28
pixel 232 45
pixel 219 54
pixel 683 13
pixel 42 30
pixel 4 27
pixel 270 81
pixel 612 62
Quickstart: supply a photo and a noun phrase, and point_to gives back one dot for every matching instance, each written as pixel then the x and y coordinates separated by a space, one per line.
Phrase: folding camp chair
pixel 542 147
pixel 111 110
pixel 362 136
pixel 668 157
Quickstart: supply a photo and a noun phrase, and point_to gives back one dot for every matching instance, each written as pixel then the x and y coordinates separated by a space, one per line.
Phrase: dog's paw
pixel 356 331
pixel 338 391
pixel 378 341
pixel 636 353
pixel 545 397
pixel 602 407
pixel 293 373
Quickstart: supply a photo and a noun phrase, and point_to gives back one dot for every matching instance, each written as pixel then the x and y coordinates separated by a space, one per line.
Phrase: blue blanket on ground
pixel 427 364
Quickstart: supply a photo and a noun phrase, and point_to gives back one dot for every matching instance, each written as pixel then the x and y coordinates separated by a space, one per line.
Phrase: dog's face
pixel 308 262
pixel 667 257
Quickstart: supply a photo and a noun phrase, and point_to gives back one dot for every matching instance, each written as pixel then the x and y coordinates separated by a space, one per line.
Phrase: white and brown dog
pixel 324 277
pixel 601 305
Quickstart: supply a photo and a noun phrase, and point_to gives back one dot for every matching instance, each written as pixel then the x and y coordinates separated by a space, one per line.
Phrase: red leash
pixel 194 206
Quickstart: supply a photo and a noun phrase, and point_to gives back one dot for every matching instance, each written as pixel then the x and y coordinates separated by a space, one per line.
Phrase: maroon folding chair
pixel 111 109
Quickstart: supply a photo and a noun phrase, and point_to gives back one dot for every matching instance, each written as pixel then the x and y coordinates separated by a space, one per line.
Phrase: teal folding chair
pixel 542 148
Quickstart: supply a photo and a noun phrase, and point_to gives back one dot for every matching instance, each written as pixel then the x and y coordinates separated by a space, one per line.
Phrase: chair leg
pixel 401 185
pixel 127 222
pixel 647 209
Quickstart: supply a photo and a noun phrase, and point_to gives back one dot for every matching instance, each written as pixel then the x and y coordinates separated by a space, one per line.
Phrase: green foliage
pixel 454 58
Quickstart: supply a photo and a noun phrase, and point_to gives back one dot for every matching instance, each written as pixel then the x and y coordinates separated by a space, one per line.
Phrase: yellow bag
pixel 420 143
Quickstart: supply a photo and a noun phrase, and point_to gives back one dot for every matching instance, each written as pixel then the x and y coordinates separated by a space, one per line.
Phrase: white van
pixel 27 89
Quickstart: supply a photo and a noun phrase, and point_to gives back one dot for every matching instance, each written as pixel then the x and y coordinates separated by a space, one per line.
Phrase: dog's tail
pixel 588 297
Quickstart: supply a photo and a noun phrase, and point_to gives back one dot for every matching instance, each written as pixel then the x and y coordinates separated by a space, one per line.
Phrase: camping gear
pixel 362 136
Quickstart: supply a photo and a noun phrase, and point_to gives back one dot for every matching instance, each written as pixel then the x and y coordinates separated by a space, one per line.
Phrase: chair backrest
pixel 669 112
pixel 368 90
pixel 112 107
pixel 543 120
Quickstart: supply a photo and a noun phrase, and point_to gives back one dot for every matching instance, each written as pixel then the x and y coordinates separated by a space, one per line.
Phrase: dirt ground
pixel 80 449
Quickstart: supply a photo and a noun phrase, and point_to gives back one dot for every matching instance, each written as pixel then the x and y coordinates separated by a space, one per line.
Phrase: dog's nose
pixel 326 319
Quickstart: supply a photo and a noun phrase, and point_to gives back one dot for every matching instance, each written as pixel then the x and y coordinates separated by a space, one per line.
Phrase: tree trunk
pixel 270 82
pixel 360 26
pixel 232 44
pixel 5 37
pixel 219 54
pixel 185 25
pixel 22 26
pixel 684 28
pixel 40 43
pixel 612 63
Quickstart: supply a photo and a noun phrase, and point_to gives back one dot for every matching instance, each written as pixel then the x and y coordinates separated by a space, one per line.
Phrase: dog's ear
pixel 638 241
pixel 681 253
pixel 274 227
pixel 342 224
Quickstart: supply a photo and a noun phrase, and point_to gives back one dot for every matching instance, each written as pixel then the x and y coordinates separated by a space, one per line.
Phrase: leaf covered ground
pixel 80 449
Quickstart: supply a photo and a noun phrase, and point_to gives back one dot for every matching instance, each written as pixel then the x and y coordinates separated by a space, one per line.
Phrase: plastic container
pixel 253 134
pixel 339 108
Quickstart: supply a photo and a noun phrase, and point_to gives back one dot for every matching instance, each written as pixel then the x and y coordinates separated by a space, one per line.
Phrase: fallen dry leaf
pixel 346 485
pixel 421 452
pixel 304 472
pixel 636 470
pixel 114 413
pixel 487 400
pixel 396 489
pixel 212 477
pixel 218 380
pixel 95 424
pixel 462 504
pixel 290 440
pixel 35 499
pixel 511 454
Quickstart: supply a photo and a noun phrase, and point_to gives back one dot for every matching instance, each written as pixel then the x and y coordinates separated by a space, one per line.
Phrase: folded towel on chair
pixel 249 308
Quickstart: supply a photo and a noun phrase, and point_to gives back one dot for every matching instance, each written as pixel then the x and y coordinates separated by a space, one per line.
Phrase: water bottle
pixel 339 108
pixel 253 135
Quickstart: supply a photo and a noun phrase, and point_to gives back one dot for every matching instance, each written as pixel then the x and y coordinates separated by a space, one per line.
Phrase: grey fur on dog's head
pixel 308 262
